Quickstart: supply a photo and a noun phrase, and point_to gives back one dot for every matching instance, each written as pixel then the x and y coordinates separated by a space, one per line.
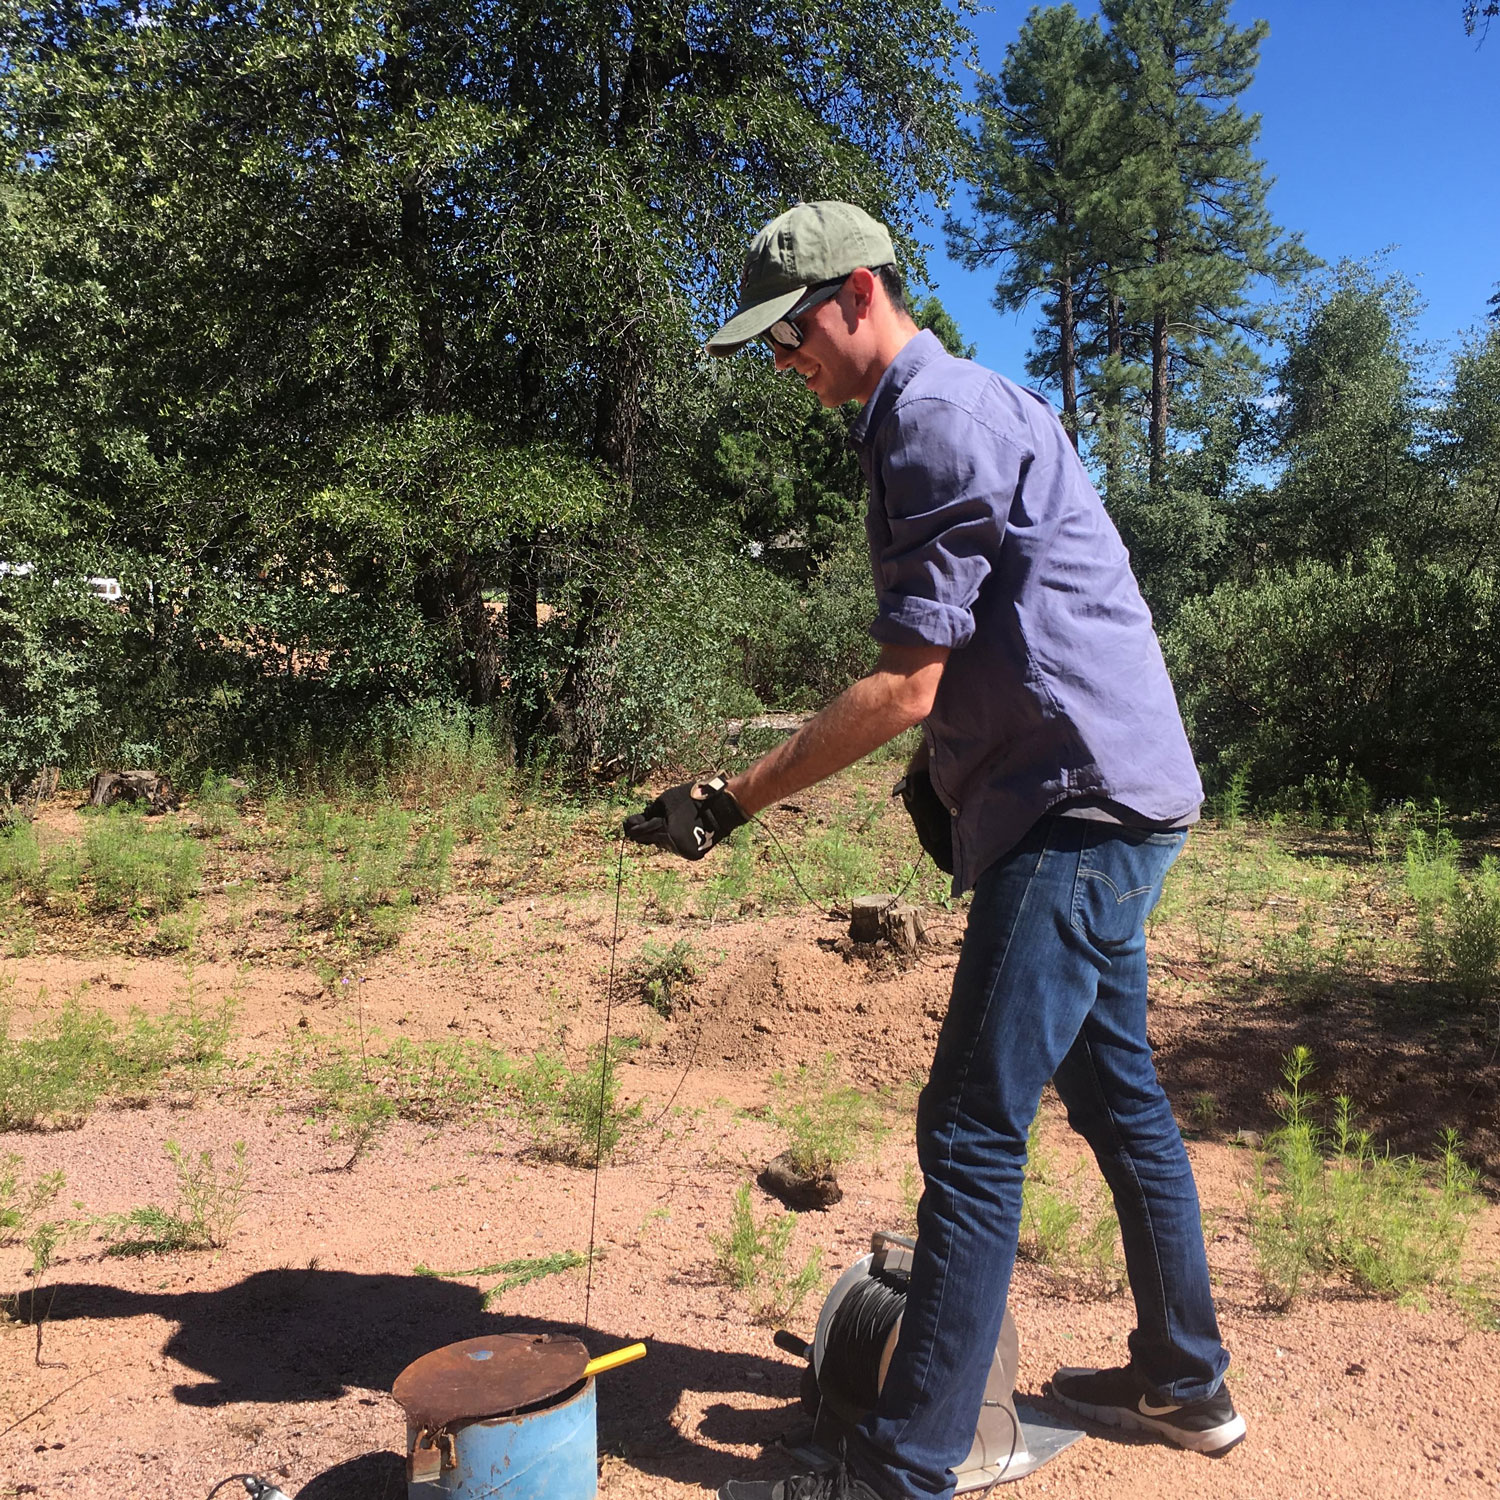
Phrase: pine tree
pixel 1041 159
pixel 1189 194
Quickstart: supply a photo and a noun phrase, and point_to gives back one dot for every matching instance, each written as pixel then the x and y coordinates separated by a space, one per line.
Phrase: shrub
pixel 826 1122
pixel 752 1258
pixel 1359 664
pixel 1330 1205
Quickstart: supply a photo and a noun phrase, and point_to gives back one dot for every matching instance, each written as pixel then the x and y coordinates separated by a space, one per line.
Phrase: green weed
pixel 514 1273
pixel 138 868
pixel 70 1061
pixel 1458 914
pixel 23 1203
pixel 752 1258
pixel 1328 1204
pixel 209 1204
pixel 1078 1241
pixel 840 862
pixel 911 1195
pixel 826 1122
pixel 20 860
pixel 574 1116
pixel 664 974
pixel 220 802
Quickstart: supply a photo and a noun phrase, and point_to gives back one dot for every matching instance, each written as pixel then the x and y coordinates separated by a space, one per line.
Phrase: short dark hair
pixel 890 279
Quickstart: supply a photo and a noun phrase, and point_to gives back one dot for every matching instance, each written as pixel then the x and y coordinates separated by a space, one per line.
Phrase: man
pixel 1056 779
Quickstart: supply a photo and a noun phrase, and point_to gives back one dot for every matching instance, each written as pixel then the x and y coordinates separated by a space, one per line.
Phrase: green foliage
pixel 752 1258
pixel 1345 428
pixel 136 866
pixel 574 1116
pixel 826 1122
pixel 514 1273
pixel 210 1202
pixel 79 1056
pixel 412 332
pixel 1458 913
pixel 664 973
pixel 1075 1239
pixel 1355 666
pixel 1331 1205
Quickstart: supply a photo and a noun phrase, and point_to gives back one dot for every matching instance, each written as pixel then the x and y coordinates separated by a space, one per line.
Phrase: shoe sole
pixel 1212 1441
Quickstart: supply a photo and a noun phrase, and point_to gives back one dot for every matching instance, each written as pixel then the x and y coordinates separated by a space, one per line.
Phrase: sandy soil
pixel 161 1375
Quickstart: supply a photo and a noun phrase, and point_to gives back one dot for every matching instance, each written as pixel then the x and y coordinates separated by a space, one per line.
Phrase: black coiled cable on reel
pixel 857 1336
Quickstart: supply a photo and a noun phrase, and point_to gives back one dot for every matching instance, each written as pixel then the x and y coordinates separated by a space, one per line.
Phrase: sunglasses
pixel 784 332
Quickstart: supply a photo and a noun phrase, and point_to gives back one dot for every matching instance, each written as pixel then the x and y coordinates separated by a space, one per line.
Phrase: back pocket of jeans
pixel 1119 880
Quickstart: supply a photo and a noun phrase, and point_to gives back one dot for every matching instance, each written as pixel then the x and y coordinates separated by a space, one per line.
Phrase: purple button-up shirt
pixel 987 537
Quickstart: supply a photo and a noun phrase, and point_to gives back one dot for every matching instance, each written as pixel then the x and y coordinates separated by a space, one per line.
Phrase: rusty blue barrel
pixel 508 1417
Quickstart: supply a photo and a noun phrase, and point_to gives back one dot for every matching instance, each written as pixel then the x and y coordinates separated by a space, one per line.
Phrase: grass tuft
pixel 1326 1204
pixel 210 1203
pixel 826 1122
pixel 752 1258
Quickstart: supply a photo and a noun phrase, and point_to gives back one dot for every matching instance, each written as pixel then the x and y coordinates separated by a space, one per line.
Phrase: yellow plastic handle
pixel 610 1361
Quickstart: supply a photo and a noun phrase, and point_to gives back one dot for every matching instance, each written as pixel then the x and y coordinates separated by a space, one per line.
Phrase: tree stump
pixel 874 917
pixel 110 787
pixel 795 1189
pixel 865 917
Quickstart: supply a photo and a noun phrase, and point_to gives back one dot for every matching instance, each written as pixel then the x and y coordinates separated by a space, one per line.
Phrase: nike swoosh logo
pixel 1147 1410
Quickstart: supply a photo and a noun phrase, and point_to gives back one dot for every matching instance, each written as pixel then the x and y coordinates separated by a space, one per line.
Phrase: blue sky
pixel 1380 123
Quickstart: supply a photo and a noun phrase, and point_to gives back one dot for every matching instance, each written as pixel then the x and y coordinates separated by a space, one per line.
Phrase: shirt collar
pixel 916 354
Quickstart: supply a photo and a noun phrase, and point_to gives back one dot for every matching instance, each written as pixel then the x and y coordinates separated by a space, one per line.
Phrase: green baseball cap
pixel 808 244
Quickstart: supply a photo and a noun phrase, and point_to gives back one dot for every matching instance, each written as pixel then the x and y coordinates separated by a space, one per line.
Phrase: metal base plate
pixel 1046 1436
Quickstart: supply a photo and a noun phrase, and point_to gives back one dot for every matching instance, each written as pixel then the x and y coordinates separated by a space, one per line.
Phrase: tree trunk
pixel 527 693
pixel 451 595
pixel 1067 356
pixel 1158 429
pixel 1113 394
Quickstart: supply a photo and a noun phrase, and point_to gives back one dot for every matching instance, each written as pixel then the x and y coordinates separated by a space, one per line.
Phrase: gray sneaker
pixel 1119 1398
pixel 827 1484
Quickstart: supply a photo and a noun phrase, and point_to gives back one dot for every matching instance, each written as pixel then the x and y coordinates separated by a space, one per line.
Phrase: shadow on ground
pixel 1411 1063
pixel 312 1335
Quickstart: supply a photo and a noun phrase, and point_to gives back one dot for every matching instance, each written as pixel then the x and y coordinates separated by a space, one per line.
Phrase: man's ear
pixel 862 288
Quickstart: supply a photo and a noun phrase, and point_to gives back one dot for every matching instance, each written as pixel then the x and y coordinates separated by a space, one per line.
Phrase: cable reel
pixel 851 1351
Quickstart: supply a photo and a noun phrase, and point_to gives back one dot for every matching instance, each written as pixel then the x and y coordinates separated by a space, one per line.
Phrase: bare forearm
pixel 897 695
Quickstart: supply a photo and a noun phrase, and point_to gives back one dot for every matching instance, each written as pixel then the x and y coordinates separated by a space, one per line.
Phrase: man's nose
pixel 782 356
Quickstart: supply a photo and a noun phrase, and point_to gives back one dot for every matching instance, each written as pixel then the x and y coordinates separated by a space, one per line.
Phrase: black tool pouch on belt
pixel 929 817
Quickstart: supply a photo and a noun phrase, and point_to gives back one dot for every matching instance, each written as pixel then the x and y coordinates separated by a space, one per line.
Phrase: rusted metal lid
pixel 488 1377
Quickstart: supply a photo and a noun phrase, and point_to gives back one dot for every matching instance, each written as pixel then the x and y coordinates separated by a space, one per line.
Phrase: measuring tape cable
pixel 604 1066
pixel 858 1334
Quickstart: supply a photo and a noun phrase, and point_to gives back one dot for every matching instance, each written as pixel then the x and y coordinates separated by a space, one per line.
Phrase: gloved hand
pixel 689 819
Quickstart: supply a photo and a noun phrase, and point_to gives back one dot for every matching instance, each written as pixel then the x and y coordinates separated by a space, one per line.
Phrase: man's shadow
pixel 311 1335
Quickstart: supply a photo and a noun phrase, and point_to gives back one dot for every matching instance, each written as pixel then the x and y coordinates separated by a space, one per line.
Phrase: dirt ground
pixel 160 1375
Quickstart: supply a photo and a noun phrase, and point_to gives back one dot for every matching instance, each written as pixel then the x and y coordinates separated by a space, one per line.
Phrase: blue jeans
pixel 1051 984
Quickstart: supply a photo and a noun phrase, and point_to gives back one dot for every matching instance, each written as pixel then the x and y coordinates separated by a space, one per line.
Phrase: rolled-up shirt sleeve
pixel 946 484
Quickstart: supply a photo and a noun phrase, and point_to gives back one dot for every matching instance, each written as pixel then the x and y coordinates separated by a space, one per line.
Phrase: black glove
pixel 689 819
pixel 933 822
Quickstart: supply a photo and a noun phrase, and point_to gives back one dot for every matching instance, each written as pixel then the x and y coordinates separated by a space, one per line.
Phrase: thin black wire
pixel 609 1001
pixel 797 879
pixel 614 943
